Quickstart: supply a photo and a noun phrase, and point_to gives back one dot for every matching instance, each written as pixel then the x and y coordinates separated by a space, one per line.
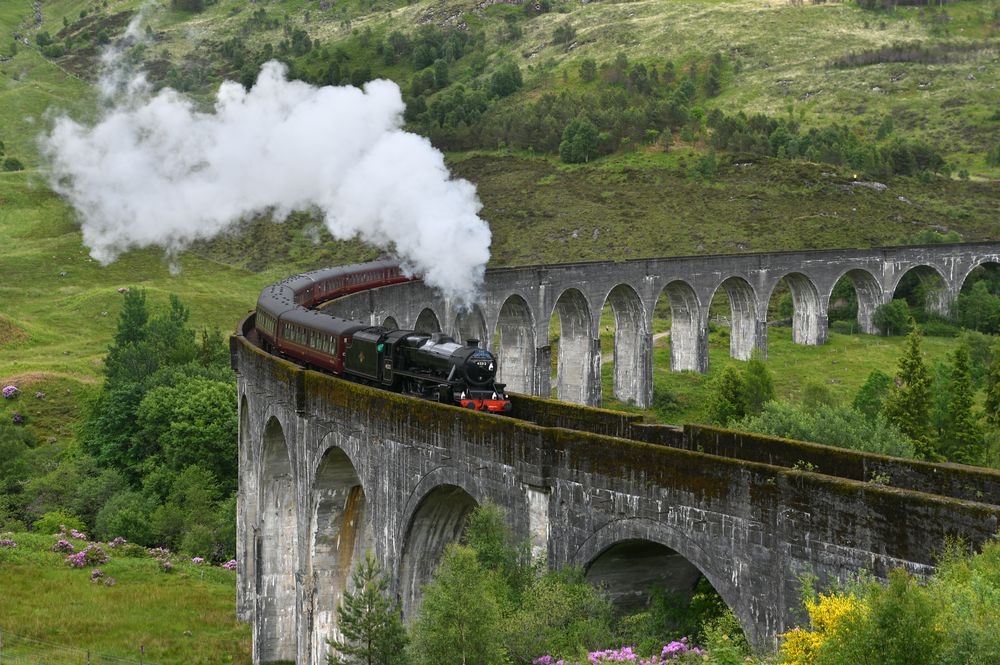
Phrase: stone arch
pixel 574 368
pixel 989 263
pixel 809 310
pixel 389 323
pixel 276 549
pixel 688 344
pixel 427 322
pixel 470 324
pixel 869 294
pixel 632 355
pixel 628 569
pixel 676 546
pixel 340 534
pixel 438 520
pixel 515 345
pixel 743 308
pixel 930 288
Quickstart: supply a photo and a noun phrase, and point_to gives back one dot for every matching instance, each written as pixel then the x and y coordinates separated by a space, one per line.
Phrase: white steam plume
pixel 155 171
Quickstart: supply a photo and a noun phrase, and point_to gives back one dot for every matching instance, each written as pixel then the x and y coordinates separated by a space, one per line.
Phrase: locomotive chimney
pixel 472 342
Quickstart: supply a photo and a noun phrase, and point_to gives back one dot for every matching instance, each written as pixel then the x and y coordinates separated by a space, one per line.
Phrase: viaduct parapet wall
pixel 518 304
pixel 330 469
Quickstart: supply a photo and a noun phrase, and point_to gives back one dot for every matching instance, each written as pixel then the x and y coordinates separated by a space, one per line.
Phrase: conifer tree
pixel 992 404
pixel 962 438
pixel 908 405
pixel 370 624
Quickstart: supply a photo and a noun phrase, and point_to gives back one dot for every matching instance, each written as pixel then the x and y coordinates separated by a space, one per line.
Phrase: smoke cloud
pixel 155 171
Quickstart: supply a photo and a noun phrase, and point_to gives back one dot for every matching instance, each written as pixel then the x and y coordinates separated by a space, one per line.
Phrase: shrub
pixel 12 164
pixel 57 521
pixel 937 328
pixel 893 318
pixel 827 614
pixel 831 425
pixel 126 514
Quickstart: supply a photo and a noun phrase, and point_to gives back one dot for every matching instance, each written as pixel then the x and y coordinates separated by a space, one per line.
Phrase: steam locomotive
pixel 432 366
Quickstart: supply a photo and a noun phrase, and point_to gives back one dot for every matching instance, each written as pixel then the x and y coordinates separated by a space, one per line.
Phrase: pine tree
pixel 908 405
pixel 963 439
pixel 992 404
pixel 370 624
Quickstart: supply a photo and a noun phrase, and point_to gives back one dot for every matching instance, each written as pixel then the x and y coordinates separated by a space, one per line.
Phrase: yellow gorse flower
pixel 826 614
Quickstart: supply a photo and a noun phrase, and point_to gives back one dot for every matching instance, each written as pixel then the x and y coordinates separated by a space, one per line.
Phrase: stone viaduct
pixel 518 303
pixel 331 469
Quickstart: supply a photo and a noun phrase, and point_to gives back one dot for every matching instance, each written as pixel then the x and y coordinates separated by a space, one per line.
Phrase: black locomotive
pixel 433 366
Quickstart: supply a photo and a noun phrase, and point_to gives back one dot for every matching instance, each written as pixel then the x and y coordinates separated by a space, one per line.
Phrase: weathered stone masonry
pixel 329 469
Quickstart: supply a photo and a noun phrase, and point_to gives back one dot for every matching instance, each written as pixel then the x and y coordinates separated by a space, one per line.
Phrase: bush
pixel 831 425
pixel 12 164
pixel 126 514
pixel 893 318
pixel 54 522
pixel 938 328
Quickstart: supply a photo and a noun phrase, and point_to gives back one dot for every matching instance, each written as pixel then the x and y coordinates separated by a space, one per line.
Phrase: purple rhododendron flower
pixel 92 555
pixel 63 546
pixel 9 391
pixel 230 565
pixel 197 560
pixel 160 553
pixel 7 542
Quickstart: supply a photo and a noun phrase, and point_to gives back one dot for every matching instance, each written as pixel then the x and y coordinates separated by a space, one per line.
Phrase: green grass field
pixel 54 614
pixel 842 365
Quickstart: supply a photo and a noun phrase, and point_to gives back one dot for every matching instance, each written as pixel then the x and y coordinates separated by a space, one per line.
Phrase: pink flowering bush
pixel 77 534
pixel 166 566
pixel 96 574
pixel 159 553
pixel 92 555
pixel 547 660
pixel 197 560
pixel 10 392
pixel 63 546
pixel 230 565
pixel 678 651
pixel 117 542
pixel 7 542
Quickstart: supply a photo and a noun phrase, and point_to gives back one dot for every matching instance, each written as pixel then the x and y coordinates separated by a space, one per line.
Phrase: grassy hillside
pixel 53 613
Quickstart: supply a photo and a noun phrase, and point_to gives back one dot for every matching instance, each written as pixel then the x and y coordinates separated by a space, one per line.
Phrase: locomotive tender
pixel 432 366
